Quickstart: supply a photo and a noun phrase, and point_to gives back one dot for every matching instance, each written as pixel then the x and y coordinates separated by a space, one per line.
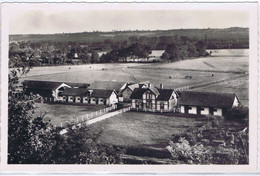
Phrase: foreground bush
pixel 213 143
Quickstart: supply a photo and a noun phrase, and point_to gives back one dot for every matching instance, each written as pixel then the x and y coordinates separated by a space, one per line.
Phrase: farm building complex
pixel 142 96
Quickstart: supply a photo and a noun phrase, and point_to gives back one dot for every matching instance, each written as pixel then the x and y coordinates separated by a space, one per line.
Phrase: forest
pixel 60 52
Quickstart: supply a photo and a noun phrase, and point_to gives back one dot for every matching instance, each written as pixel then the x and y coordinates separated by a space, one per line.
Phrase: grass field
pixel 136 128
pixel 60 113
pixel 119 72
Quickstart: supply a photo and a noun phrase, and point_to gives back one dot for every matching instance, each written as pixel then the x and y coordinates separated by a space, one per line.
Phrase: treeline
pixel 39 53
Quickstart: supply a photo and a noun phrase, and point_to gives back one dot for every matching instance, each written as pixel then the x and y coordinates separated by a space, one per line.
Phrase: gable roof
pixel 51 85
pixel 165 94
pixel 43 85
pixel 79 85
pixel 132 86
pixel 154 90
pixel 99 93
pixel 107 85
pixel 137 93
pixel 207 99
pixel 75 92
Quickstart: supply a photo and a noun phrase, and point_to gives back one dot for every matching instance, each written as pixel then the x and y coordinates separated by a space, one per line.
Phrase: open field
pixel 136 128
pixel 60 113
pixel 134 75
pixel 221 60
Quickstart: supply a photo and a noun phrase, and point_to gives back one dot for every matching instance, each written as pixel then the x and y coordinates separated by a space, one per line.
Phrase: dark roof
pixel 137 93
pixel 79 85
pixel 207 99
pixel 43 85
pixel 75 92
pixel 165 94
pixel 107 85
pixel 99 93
pixel 51 85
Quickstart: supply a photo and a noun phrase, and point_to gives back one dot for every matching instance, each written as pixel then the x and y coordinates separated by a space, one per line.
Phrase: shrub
pixel 237 113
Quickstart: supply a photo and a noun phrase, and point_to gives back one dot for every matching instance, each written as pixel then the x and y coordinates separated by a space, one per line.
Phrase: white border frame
pixel 251 168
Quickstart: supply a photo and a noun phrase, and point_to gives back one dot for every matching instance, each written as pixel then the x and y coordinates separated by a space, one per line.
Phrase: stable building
pixel 153 99
pixel 94 97
pixel 49 90
pixel 205 103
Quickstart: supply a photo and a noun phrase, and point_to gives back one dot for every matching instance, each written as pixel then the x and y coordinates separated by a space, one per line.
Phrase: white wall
pixel 205 111
pixel 113 99
pixel 193 110
pixel 85 99
pixel 133 103
pixel 236 103
pixel 77 100
pixel 218 112
pixel 182 109
pixel 93 101
pixel 70 98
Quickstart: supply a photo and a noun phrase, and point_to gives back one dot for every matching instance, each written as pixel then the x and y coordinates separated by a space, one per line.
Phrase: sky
pixel 60 18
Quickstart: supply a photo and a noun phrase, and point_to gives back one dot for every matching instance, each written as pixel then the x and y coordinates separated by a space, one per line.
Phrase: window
pixel 202 109
pixel 190 108
pixel 162 105
pixel 71 98
pixel 78 98
pixel 86 99
pixel 101 100
pixel 148 104
pixel 94 99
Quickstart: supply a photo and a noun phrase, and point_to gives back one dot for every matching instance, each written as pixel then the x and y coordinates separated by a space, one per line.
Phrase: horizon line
pixel 137 30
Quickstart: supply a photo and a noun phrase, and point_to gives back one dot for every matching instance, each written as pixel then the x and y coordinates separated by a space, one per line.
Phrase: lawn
pixel 136 128
pixel 60 113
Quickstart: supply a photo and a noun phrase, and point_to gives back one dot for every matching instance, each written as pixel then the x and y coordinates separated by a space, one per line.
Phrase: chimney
pixel 161 86
pixel 149 85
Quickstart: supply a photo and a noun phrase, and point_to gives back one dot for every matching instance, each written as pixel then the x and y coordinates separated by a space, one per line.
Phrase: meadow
pixel 60 113
pixel 137 128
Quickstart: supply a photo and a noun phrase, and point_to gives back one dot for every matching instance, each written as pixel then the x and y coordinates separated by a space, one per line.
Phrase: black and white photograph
pixel 107 86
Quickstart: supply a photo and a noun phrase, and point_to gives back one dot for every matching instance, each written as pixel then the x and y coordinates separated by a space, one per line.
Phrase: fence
pixel 89 116
pixel 96 116
pixel 155 110
pixel 184 69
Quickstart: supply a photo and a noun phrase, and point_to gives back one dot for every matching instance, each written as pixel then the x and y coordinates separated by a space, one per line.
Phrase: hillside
pixel 234 33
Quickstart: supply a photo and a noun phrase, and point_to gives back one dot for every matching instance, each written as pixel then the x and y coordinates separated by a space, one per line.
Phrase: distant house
pixel 125 94
pixel 49 90
pixel 207 102
pixel 153 99
pixel 94 96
